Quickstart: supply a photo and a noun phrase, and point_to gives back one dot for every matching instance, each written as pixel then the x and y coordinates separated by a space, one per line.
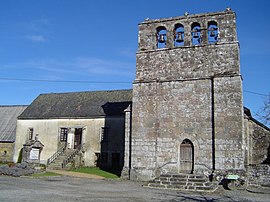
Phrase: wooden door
pixel 186 157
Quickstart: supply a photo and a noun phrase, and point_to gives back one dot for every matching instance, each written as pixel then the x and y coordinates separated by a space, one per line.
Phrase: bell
pixel 212 32
pixel 161 38
pixel 179 37
pixel 195 34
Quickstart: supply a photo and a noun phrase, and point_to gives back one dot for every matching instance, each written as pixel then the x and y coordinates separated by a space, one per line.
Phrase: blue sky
pixel 84 40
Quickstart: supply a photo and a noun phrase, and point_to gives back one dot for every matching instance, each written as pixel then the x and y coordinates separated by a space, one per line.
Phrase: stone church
pixel 185 113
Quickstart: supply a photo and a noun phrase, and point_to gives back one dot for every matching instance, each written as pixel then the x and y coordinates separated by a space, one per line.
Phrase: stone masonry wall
pixel 258 141
pixel 184 113
pixel 144 139
pixel 258 175
pixel 6 151
pixel 257 156
pixel 191 92
pixel 229 123
pixel 180 110
pixel 188 63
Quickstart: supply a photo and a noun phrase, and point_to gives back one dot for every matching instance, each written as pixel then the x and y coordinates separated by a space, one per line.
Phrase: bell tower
pixel 187 96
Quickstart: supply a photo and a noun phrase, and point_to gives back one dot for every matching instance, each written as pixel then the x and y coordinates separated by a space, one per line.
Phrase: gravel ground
pixel 67 188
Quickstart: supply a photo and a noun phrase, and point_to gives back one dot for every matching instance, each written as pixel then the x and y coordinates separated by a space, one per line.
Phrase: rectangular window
pixel 30 133
pixel 104 134
pixel 63 134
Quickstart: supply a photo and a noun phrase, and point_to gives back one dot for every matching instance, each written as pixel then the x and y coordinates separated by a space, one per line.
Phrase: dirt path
pixel 75 174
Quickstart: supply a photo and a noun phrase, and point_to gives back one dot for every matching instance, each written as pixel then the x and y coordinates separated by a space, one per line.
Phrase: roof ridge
pixel 94 91
pixel 14 105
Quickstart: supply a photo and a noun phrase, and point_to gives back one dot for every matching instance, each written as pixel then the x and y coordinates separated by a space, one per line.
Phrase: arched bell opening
pixel 212 32
pixel 186 157
pixel 179 34
pixel 196 33
pixel 161 36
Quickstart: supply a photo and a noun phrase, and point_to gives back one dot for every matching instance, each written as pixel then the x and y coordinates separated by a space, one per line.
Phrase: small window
pixel 179 35
pixel 196 33
pixel 212 32
pixel 104 134
pixel 30 133
pixel 161 37
pixel 63 134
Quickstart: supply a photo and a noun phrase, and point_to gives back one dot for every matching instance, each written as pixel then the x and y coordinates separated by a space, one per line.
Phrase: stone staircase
pixel 186 182
pixel 58 163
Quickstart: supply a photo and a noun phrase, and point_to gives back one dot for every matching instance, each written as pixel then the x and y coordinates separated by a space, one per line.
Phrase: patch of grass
pixel 7 163
pixel 46 174
pixel 95 171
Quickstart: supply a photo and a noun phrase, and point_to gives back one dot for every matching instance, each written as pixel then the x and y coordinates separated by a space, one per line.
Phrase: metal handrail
pixel 70 157
pixel 56 154
pixel 167 163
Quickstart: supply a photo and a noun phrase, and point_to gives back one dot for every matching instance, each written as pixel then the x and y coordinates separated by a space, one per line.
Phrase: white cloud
pixel 36 38
pixel 128 52
pixel 103 67
pixel 75 68
pixel 35 30
pixel 39 24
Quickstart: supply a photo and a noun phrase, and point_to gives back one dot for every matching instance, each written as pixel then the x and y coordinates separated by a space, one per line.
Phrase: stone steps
pixel 57 163
pixel 190 182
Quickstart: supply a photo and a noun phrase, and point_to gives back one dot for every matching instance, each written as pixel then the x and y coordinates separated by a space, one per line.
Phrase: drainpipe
pixel 130 141
pixel 213 123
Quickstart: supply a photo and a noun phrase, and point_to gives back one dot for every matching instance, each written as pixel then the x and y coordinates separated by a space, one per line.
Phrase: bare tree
pixel 264 113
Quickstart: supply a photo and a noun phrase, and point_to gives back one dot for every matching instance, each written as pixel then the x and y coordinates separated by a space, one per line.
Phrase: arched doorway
pixel 186 159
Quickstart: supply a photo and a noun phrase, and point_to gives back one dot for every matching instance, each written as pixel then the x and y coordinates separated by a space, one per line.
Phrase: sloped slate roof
pixel 248 114
pixel 8 122
pixel 75 105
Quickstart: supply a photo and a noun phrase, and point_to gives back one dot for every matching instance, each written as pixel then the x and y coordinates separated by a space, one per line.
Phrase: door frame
pixel 186 142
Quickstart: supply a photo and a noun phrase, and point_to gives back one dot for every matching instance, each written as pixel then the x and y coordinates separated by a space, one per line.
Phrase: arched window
pixel 196 33
pixel 179 35
pixel 161 37
pixel 212 32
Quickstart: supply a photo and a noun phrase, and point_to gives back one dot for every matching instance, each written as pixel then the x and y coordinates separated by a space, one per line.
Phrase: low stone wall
pixel 258 175
pixel 17 170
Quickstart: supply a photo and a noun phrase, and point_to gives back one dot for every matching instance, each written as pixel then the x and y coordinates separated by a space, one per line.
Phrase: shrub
pixel 20 156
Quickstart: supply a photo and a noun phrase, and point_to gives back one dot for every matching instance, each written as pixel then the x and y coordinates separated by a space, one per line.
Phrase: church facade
pixel 187 110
